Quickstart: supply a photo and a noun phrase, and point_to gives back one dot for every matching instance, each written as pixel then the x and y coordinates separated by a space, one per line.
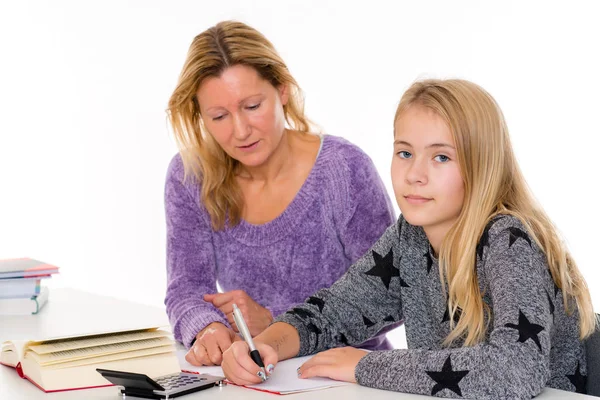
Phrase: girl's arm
pixel 357 306
pixel 513 363
pixel 352 310
pixel 283 338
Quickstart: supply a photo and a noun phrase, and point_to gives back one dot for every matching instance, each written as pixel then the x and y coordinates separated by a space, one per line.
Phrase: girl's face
pixel 243 113
pixel 425 173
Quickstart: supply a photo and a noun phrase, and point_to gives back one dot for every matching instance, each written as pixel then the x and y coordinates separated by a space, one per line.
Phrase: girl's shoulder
pixel 502 232
pixel 503 223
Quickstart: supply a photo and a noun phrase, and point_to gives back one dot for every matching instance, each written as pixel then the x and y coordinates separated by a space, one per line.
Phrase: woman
pixel 255 201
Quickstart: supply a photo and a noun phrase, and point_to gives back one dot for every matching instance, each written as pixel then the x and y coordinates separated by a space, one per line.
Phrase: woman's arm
pixel 190 260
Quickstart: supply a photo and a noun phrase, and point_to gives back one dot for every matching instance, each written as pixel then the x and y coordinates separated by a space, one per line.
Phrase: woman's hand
pixel 256 316
pixel 240 369
pixel 210 344
pixel 338 364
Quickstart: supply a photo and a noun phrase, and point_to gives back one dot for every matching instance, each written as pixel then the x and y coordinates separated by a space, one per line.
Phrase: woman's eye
pixel 404 154
pixel 218 117
pixel 254 107
pixel 442 158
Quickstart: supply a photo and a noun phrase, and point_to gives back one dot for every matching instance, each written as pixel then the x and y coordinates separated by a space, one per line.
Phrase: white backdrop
pixel 84 141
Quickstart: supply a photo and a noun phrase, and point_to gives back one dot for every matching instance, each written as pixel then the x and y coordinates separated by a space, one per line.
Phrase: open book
pixel 70 363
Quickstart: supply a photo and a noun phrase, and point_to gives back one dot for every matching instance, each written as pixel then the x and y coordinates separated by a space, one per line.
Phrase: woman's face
pixel 243 113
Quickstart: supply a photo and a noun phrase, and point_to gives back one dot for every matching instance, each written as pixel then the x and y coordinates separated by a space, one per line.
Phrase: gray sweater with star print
pixel 531 342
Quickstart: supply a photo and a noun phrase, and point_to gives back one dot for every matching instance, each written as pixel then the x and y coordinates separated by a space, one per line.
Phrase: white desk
pixel 68 307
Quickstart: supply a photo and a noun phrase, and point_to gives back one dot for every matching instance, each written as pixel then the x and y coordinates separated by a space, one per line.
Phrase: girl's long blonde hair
pixel 227 44
pixel 494 185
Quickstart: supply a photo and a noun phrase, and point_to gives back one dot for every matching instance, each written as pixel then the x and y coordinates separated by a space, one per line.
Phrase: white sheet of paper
pixel 284 379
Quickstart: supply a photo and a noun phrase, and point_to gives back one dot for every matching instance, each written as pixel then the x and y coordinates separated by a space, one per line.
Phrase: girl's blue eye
pixel 404 154
pixel 442 158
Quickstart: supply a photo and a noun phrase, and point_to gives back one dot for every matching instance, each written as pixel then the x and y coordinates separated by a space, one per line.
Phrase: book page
pixel 12 352
pixel 110 357
pixel 90 352
pixel 93 341
pixel 284 379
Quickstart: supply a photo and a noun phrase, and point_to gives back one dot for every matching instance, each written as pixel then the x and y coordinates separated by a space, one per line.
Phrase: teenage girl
pixel 494 305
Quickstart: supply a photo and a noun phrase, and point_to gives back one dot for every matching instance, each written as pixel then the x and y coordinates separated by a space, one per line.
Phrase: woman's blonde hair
pixel 227 44
pixel 494 185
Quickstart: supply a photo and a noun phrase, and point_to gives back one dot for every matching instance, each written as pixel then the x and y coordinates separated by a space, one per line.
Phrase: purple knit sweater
pixel 339 212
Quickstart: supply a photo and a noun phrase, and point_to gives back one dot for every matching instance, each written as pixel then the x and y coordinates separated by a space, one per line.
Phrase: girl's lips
pixel 416 199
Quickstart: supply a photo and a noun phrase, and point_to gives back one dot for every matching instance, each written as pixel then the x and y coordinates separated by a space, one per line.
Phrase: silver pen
pixel 243 328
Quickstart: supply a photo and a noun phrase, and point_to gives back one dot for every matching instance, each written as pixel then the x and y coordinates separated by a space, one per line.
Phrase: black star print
pixel 368 322
pixel 302 313
pixel 342 339
pixel 317 302
pixel 313 328
pixel 403 283
pixel 384 268
pixel 527 330
pixel 514 234
pixel 578 380
pixel 556 288
pixel 389 318
pixel 485 237
pixel 484 241
pixel 429 261
pixel 446 378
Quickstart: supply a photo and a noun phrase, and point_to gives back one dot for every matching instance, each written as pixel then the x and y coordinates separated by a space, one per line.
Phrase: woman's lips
pixel 249 147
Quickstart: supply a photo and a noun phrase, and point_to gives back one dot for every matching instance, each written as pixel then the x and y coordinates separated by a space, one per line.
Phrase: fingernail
pixel 261 375
pixel 299 373
pixel 270 369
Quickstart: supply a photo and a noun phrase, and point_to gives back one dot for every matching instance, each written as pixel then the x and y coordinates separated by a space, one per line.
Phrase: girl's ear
pixel 284 94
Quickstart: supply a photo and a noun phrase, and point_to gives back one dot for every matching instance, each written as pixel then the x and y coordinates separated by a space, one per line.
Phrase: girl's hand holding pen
pixel 241 369
pixel 256 316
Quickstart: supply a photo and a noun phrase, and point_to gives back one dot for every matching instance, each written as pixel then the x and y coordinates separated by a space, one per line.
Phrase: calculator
pixel 163 387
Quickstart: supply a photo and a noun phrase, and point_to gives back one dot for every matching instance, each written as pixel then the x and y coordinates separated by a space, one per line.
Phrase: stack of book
pixel 21 290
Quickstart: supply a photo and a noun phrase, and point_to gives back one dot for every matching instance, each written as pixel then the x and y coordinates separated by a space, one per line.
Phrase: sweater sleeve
pixel 512 363
pixel 357 306
pixel 367 209
pixel 191 264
